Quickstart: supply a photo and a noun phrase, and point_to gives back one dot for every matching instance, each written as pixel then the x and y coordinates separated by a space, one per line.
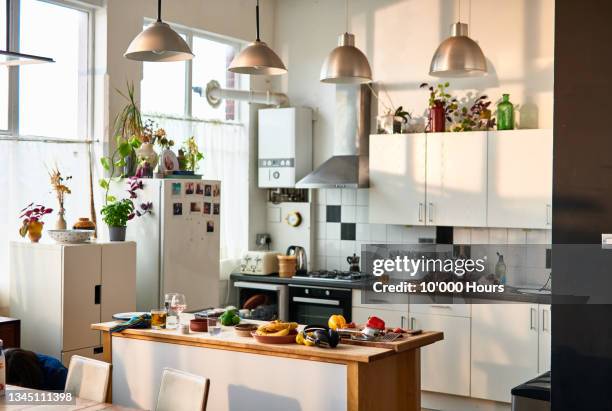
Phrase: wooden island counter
pixel 247 375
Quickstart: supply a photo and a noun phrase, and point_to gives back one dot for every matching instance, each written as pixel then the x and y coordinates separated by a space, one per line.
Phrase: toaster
pixel 259 263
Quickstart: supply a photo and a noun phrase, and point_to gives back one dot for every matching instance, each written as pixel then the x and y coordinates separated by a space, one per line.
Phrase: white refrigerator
pixel 178 244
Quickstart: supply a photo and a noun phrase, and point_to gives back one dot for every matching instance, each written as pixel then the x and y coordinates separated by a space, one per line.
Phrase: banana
pixel 276 328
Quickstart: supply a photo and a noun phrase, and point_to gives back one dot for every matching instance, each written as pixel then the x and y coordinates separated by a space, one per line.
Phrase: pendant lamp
pixel 13 58
pixel 346 64
pixel 158 43
pixel 257 58
pixel 458 55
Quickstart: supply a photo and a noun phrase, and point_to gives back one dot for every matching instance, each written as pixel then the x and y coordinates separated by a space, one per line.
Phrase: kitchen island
pixel 247 375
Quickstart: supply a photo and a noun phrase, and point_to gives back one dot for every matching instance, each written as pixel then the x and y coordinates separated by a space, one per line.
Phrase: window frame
pixel 189 34
pixel 12 132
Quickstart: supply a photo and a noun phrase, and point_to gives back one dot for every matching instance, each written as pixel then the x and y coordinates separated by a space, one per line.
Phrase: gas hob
pixel 332 275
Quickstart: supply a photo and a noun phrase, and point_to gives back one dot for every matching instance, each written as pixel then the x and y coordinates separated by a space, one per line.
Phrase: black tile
pixel 333 214
pixel 347 231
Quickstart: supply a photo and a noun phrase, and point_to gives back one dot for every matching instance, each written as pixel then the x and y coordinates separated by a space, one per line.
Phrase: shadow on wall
pixel 242 398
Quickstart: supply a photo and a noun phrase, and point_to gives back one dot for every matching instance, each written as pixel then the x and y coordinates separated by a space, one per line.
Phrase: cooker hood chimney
pixel 348 168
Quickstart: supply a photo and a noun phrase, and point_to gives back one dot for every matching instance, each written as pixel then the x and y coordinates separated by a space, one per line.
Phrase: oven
pixel 314 305
pixel 273 299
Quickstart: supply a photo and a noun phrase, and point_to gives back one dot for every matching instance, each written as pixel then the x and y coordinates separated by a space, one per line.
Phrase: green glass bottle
pixel 505 114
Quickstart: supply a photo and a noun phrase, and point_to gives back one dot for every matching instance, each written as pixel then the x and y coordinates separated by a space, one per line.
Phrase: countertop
pixel 228 340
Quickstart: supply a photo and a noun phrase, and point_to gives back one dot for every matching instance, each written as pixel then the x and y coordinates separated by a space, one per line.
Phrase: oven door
pixel 314 305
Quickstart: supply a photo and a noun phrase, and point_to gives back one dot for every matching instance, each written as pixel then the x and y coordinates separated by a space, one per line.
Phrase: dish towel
pixel 138 321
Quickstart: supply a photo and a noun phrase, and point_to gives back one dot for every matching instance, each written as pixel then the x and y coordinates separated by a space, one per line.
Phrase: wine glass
pixel 178 304
pixel 172 320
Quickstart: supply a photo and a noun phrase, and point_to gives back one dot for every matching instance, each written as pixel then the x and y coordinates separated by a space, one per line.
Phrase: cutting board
pixel 406 342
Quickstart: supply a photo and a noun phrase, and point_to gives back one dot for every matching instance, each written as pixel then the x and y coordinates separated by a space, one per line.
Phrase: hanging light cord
pixel 8 25
pixel 459 18
pixel 159 10
pixel 257 19
pixel 346 14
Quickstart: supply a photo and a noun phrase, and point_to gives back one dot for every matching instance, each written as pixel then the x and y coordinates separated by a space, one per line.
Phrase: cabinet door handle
pixel 420 212
pixel 532 311
pixel 97 294
pixel 440 306
pixel 402 318
pixel 98 350
pixel 431 212
pixel 548 214
pixel 412 323
pixel 544 320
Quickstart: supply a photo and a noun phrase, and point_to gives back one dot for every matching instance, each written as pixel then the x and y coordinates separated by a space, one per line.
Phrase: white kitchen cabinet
pixel 520 178
pixel 59 290
pixel 392 318
pixel 504 348
pixel 457 179
pixel 445 365
pixel 397 179
pixel 544 338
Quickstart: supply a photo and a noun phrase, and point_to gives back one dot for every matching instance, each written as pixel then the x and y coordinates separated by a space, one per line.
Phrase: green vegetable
pixel 230 317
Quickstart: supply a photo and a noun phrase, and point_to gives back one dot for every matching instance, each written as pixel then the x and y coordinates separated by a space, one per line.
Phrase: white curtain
pixel 226 158
pixel 24 179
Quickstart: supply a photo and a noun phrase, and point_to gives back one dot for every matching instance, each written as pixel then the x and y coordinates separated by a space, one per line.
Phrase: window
pixel 4 89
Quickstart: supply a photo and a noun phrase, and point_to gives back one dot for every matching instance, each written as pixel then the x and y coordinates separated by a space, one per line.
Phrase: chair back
pixel 88 378
pixel 181 391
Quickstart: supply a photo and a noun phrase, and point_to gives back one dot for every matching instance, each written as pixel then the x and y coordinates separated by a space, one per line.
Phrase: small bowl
pixel 70 236
pixel 244 330
pixel 199 325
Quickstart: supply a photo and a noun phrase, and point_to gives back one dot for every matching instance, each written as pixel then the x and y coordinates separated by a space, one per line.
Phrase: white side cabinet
pixel 544 338
pixel 457 179
pixel 520 178
pixel 58 291
pixel 504 348
pixel 397 179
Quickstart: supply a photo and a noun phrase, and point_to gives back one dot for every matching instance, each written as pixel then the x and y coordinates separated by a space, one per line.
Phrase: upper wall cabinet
pixel 397 179
pixel 457 179
pixel 520 178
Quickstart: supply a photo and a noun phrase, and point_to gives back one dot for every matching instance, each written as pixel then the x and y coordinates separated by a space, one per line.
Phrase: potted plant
pixel 32 221
pixel 441 106
pixel 190 155
pixel 477 117
pixel 116 213
pixel 129 131
pixel 58 185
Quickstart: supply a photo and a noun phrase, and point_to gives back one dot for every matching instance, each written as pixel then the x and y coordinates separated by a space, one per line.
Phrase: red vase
pixel 437 119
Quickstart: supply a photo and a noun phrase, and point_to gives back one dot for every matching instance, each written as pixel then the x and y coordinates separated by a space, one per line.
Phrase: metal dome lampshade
pixel 458 56
pixel 158 43
pixel 346 64
pixel 257 58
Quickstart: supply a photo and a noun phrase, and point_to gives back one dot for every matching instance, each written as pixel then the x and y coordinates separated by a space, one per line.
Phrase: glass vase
pixel 505 114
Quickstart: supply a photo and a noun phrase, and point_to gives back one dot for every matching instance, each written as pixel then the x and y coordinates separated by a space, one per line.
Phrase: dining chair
pixel 181 391
pixel 88 378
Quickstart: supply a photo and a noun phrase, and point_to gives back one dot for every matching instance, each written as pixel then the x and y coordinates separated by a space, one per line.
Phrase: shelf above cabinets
pixel 468 179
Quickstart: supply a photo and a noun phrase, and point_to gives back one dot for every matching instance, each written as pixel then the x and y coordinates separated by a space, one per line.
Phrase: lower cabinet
pixel 504 348
pixel 544 338
pixel 392 318
pixel 445 365
pixel 93 352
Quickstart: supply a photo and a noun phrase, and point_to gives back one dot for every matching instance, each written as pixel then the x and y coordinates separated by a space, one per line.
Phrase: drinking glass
pixel 178 304
pixel 158 318
pixel 172 320
pixel 214 328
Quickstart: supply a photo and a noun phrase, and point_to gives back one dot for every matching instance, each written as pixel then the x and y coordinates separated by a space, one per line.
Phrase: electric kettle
pixel 302 264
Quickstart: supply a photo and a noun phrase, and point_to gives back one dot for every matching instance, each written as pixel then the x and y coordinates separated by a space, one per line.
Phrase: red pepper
pixel 375 322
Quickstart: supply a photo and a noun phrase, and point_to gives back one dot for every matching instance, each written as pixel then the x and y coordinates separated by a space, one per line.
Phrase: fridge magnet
pixel 195 207
pixel 199 189
pixel 216 208
pixel 216 190
pixel 207 190
pixel 210 226
pixel 189 188
pixel 176 189
pixel 206 208
pixel 177 209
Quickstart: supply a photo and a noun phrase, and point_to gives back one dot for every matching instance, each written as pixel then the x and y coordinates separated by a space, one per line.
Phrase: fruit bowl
pixel 70 236
pixel 274 339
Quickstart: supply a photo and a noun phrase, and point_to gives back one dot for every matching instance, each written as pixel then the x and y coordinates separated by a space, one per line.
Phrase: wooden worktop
pixel 228 340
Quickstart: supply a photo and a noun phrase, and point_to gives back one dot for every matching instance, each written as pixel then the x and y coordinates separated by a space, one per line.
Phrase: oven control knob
pixel 306 291
pixel 326 292
pixel 276 175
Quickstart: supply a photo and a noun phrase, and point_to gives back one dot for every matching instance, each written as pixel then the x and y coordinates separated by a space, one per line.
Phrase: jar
pixel 287 265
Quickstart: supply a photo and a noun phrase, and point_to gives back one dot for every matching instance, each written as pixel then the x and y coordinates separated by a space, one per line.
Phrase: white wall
pixel 400 36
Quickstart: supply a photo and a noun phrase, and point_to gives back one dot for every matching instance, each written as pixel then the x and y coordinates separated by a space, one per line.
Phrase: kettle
pixel 301 267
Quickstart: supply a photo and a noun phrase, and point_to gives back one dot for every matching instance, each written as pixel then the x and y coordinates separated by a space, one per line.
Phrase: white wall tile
pixel 333 196
pixel 394 234
pixel 333 263
pixel 362 232
pixel 319 262
pixel 516 236
pixel 480 236
pixel 349 196
pixel 498 236
pixel 319 196
pixel 332 248
pixel 321 231
pixel 333 231
pixel 410 235
pixel 348 214
pixel 362 214
pixel 378 233
pixel 347 248
pixel 363 197
pixel 462 235
pixel 320 247
pixel 425 232
pixel 536 237
pixel 321 213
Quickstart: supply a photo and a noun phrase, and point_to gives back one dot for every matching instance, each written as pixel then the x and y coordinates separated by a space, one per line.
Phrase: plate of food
pixel 276 332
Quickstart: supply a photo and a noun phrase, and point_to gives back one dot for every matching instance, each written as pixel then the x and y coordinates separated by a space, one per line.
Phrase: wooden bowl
pixel 199 325
pixel 272 339
pixel 244 330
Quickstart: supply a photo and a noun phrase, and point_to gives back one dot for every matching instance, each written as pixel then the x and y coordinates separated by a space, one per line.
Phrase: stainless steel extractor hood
pixel 348 167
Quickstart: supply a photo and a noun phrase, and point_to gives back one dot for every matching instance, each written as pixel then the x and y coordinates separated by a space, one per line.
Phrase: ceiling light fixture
pixel 158 43
pixel 346 64
pixel 458 55
pixel 13 58
pixel 257 58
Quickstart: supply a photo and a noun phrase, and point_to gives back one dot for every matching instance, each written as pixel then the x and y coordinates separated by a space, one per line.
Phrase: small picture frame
pixel 216 190
pixel 210 226
pixel 199 189
pixel 169 162
pixel 176 189
pixel 207 190
pixel 194 207
pixel 216 208
pixel 207 209
pixel 189 188
pixel 177 209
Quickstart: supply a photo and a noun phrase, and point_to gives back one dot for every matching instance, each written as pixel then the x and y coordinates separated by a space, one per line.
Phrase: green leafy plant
pixel 118 213
pixel 116 161
pixel 403 114
pixel 477 117
pixel 439 96
pixel 128 123
pixel 191 154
